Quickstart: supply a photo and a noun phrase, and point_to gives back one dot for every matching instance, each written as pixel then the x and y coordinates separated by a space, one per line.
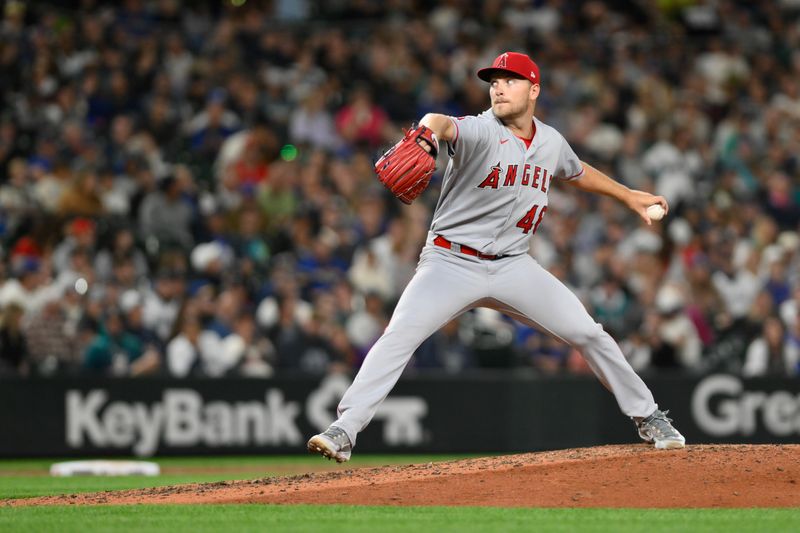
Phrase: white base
pixel 105 468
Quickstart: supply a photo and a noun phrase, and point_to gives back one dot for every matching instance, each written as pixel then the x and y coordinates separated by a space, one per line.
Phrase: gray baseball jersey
pixel 494 193
pixel 493 198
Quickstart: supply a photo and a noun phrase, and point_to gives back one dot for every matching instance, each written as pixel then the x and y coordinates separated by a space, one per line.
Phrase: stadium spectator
pixel 13 345
pixel 162 303
pixel 171 158
pixel 165 216
pixel 55 336
pixel 767 354
pixel 311 124
pixel 122 251
pixel 113 350
pixel 362 122
pixel 184 351
pixel 241 352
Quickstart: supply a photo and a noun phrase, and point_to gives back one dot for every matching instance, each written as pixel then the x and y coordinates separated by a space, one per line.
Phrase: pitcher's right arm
pixel 442 126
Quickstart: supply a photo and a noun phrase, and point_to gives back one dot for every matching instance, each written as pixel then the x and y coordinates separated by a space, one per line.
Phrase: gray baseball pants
pixel 445 285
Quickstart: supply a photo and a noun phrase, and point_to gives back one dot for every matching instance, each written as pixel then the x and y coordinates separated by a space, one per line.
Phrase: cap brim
pixel 486 73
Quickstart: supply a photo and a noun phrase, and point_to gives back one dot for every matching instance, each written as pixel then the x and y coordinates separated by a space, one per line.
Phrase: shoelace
pixel 660 428
pixel 338 436
pixel 663 416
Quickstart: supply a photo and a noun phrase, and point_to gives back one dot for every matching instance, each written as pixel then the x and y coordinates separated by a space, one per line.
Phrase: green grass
pixel 258 461
pixel 337 518
pixel 25 478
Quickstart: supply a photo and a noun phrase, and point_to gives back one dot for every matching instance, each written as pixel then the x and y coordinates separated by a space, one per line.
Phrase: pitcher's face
pixel 512 96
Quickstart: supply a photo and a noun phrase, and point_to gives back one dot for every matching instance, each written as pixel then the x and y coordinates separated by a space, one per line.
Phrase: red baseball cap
pixel 81 225
pixel 519 64
pixel 27 247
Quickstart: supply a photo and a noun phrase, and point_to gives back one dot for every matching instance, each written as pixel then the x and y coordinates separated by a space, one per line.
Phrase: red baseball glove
pixel 406 168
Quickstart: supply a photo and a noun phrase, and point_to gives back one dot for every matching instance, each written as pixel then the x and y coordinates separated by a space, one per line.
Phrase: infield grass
pixel 239 518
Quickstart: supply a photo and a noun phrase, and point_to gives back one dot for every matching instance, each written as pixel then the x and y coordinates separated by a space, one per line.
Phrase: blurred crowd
pixel 186 188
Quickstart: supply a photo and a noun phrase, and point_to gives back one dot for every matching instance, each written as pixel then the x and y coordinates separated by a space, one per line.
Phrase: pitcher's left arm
pixel 592 180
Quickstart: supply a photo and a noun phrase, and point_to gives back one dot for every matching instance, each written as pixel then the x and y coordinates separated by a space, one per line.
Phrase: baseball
pixel 655 212
pixel 81 286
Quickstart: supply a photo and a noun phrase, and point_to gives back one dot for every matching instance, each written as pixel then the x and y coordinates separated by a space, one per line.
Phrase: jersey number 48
pixel 530 221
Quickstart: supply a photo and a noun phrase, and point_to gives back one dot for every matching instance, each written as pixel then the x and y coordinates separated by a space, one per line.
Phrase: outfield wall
pixel 486 413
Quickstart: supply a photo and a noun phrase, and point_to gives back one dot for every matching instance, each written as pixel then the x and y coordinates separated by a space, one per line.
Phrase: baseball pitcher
pixel 494 197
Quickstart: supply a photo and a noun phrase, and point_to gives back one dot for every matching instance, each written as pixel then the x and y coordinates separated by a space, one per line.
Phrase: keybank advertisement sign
pixel 726 406
pixel 184 418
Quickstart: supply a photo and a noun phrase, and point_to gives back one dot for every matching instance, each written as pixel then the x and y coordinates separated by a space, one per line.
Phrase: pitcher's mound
pixel 608 476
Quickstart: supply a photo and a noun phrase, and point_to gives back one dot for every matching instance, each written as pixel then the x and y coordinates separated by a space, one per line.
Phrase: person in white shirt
pixel 771 352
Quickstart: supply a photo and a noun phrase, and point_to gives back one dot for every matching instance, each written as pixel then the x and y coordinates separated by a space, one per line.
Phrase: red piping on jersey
pixel 456 137
pixel 576 175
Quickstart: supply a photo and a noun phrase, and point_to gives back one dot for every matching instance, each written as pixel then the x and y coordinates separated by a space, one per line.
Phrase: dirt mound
pixel 608 476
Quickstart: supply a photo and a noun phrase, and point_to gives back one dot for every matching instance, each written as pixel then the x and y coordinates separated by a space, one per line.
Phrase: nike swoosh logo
pixel 503 141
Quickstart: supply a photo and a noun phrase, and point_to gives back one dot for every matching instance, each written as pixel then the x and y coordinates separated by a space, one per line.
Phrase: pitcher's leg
pixel 443 287
pixel 530 290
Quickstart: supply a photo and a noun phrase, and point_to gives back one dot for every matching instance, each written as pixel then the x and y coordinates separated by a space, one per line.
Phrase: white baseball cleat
pixel 333 443
pixel 657 429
